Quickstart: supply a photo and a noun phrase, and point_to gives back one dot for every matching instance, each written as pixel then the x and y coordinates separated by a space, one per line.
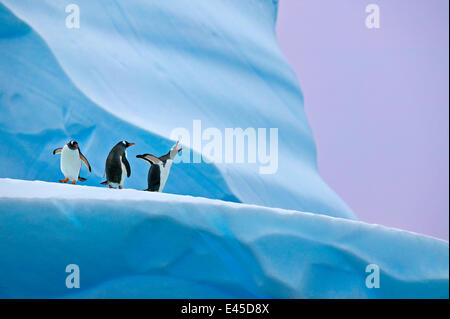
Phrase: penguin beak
pixel 176 147
pixel 130 144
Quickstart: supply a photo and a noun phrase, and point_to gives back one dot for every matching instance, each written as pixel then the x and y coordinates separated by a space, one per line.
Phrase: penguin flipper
pixel 57 150
pixel 81 179
pixel 149 158
pixel 85 160
pixel 127 165
pixel 104 183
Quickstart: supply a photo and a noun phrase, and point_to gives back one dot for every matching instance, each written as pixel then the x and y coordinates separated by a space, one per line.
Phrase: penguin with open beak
pixel 159 168
pixel 117 167
pixel 71 158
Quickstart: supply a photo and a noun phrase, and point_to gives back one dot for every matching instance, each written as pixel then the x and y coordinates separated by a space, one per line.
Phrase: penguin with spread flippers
pixel 117 166
pixel 71 158
pixel 159 169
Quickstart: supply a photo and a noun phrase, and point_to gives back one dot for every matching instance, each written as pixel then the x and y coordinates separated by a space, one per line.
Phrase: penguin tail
pixel 104 183
pixel 82 179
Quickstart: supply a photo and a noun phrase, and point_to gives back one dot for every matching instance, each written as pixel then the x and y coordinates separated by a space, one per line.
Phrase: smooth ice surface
pixel 135 70
pixel 134 244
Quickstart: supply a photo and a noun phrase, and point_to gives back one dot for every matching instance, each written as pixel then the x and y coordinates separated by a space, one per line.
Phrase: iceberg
pixel 137 70
pixel 134 244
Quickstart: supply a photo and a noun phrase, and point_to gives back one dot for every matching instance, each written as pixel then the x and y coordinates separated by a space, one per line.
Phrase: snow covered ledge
pixel 135 244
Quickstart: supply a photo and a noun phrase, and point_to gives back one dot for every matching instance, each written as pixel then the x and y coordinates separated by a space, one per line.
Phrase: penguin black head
pixel 72 145
pixel 124 144
pixel 174 151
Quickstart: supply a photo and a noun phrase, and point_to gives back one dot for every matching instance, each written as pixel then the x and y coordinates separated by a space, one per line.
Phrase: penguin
pixel 159 168
pixel 71 158
pixel 117 166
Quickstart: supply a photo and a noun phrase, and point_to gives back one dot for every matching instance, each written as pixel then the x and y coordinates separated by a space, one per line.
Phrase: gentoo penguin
pixel 159 169
pixel 71 158
pixel 117 166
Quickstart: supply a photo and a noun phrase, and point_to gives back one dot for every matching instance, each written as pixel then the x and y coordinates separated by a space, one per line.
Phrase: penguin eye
pixel 124 143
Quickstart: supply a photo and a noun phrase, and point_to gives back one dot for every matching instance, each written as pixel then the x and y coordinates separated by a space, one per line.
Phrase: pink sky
pixel 378 104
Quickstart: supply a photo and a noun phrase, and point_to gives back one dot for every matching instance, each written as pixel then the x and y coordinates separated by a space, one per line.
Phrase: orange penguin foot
pixel 64 180
pixel 110 186
pixel 120 187
pixel 74 182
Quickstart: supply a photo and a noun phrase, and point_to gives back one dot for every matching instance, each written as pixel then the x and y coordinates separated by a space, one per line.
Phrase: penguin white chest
pixel 165 170
pixel 124 169
pixel 70 163
pixel 124 172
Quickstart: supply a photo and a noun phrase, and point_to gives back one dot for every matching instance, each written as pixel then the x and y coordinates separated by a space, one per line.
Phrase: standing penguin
pixel 159 169
pixel 71 158
pixel 117 166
